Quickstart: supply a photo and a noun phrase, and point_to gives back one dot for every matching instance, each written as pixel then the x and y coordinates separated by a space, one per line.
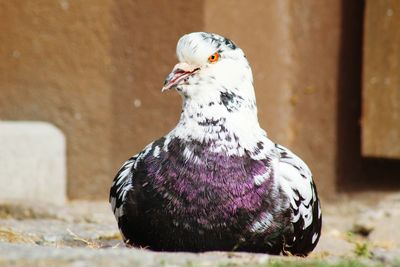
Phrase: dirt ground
pixel 358 230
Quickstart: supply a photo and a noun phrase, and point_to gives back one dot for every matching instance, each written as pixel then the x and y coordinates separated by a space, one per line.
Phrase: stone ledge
pixel 32 162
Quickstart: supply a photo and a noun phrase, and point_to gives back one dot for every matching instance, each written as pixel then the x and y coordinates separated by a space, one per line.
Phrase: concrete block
pixel 32 162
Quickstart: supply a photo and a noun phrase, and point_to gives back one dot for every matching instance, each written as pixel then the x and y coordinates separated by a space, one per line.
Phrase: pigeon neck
pixel 232 131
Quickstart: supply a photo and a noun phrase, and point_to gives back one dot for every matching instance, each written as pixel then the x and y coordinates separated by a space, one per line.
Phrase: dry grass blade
pixel 89 244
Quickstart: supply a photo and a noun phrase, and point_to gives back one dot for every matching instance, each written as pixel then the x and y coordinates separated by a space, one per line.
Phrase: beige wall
pixel 95 69
pixel 55 66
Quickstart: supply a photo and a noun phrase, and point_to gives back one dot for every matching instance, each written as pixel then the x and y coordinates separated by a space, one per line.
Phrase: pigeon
pixel 215 181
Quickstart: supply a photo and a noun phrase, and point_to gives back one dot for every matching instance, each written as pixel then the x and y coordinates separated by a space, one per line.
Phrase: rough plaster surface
pixel 32 162
pixel 94 69
pixel 55 67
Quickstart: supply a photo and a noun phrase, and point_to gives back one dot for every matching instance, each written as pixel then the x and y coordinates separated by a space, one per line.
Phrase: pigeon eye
pixel 213 58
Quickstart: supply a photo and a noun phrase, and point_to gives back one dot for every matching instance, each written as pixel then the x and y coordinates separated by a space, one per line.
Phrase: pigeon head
pixel 216 83
pixel 210 65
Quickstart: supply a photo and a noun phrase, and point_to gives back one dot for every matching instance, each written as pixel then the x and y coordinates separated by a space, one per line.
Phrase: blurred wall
pixel 55 66
pixel 95 69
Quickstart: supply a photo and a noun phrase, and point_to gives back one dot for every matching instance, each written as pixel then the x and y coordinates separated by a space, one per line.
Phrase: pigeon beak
pixel 180 72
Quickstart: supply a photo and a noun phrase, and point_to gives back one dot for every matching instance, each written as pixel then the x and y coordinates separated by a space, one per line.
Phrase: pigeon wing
pixel 123 182
pixel 296 180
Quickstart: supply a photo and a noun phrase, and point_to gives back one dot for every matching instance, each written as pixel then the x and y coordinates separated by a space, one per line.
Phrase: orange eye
pixel 213 58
